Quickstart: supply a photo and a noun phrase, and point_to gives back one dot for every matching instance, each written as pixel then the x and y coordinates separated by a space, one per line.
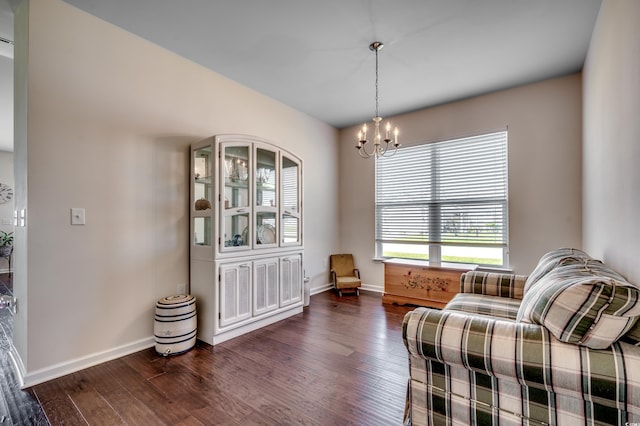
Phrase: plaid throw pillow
pixel 549 261
pixel 588 304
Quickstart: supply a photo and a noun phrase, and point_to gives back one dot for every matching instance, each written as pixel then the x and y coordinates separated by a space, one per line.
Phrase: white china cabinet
pixel 246 235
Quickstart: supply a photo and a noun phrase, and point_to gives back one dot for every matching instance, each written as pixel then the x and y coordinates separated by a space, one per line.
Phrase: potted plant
pixel 6 243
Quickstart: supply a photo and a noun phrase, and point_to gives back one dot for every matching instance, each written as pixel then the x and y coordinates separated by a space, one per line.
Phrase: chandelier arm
pixel 395 149
pixel 384 150
pixel 364 154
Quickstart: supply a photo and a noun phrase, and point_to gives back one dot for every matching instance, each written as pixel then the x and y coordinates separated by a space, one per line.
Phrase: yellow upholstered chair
pixel 345 276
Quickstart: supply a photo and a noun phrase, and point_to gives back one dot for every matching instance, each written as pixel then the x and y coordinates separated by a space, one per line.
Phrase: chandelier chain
pixel 377 83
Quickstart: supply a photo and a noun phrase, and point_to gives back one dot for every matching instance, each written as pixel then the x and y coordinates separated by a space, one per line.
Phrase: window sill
pixel 445 265
pixel 432 265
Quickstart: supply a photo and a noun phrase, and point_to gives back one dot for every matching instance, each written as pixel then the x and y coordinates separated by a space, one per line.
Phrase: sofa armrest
pixel 493 284
pixel 525 353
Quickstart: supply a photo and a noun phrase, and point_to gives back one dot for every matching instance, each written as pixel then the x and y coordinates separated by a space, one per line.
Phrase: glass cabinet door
pixel 291 219
pixel 257 196
pixel 235 197
pixel 202 176
pixel 202 195
pixel 266 197
pixel 265 177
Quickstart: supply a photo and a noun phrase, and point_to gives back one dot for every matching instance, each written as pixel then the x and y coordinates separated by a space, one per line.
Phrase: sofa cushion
pixel 587 304
pixel 552 259
pixel 348 282
pixel 495 306
pixel 493 284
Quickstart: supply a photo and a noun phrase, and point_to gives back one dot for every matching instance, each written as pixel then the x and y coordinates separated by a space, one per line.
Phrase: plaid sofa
pixel 558 347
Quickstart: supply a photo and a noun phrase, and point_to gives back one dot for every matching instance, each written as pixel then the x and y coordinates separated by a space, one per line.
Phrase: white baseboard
pixel 321 289
pixel 365 287
pixel 372 288
pixel 18 366
pixel 58 370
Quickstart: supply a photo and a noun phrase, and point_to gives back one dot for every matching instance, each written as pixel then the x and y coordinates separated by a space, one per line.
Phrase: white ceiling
pixel 315 57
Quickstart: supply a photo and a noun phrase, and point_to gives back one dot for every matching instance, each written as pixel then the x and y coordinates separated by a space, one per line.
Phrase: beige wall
pixel 109 121
pixel 611 188
pixel 544 123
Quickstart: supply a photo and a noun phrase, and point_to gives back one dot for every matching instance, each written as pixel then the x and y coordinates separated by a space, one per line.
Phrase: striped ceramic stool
pixel 175 324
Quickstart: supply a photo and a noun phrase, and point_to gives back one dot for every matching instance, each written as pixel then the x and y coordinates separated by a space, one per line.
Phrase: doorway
pixel 17 407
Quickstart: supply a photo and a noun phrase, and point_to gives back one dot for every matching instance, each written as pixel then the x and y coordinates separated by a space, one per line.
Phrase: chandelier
pixel 379 149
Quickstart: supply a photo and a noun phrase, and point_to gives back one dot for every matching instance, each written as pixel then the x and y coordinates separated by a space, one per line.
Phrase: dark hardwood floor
pixel 341 362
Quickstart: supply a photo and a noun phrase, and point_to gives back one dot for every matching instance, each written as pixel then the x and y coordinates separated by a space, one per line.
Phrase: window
pixel 445 201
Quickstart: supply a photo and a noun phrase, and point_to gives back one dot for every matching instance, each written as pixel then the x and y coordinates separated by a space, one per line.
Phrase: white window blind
pixel 450 193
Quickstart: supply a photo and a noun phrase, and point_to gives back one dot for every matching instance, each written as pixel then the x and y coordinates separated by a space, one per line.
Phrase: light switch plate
pixel 77 216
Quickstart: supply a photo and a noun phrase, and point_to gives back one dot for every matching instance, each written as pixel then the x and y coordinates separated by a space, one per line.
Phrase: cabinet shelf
pixel 242 184
pixel 265 187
